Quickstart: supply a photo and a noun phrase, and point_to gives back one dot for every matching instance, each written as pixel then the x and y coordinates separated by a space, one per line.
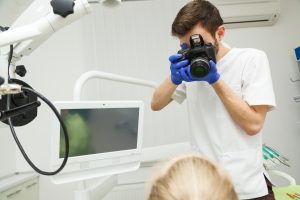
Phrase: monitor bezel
pixel 56 160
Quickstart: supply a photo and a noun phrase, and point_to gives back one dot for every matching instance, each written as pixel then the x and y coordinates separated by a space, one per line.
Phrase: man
pixel 227 107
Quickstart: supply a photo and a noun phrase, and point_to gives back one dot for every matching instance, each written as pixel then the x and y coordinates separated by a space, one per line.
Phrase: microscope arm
pixel 26 38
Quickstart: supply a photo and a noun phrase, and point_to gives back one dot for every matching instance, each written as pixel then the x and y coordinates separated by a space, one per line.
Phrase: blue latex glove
pixel 212 77
pixel 176 66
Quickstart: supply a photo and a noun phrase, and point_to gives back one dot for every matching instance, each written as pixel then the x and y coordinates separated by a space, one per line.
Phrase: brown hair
pixel 195 12
pixel 192 177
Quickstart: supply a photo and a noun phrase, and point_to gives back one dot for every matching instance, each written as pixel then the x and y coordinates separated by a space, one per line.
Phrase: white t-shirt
pixel 215 134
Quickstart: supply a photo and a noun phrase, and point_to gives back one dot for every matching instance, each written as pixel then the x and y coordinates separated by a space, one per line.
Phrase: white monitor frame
pixel 101 164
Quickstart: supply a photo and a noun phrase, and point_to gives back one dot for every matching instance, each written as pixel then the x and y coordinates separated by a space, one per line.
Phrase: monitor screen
pixel 105 138
pixel 93 131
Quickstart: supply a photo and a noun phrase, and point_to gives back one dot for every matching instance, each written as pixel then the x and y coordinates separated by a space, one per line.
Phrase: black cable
pixel 2 80
pixel 9 60
pixel 62 124
pixel 2 29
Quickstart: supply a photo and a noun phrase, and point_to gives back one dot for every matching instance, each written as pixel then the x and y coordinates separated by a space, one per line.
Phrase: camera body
pixel 199 55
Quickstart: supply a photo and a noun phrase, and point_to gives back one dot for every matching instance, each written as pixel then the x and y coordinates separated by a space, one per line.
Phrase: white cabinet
pixel 19 187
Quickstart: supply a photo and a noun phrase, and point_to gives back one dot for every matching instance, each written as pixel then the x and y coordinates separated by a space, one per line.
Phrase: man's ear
pixel 220 33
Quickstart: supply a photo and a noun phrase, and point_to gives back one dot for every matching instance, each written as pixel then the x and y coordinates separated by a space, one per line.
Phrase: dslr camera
pixel 199 55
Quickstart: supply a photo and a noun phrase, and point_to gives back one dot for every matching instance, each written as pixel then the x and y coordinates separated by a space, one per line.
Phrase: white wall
pixel 10 10
pixel 134 40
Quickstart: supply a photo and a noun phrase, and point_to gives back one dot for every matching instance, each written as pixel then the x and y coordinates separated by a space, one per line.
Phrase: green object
pixel 79 136
pixel 267 153
pixel 273 151
pixel 281 192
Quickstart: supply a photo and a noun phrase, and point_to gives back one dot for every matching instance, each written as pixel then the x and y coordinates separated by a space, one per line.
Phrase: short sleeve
pixel 179 95
pixel 257 86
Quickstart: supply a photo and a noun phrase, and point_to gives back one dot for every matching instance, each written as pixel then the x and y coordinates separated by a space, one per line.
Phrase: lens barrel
pixel 199 67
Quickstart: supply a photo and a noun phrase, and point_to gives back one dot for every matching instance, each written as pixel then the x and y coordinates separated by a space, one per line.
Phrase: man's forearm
pixel 250 119
pixel 162 95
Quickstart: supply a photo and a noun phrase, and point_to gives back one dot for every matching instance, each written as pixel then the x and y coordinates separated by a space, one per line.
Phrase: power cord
pixel 2 29
pixel 62 125
pixel 11 47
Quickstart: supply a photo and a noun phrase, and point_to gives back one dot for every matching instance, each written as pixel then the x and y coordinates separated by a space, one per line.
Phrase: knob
pixel 21 70
pixel 63 7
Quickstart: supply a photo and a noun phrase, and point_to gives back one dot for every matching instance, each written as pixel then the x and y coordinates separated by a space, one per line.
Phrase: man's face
pixel 208 38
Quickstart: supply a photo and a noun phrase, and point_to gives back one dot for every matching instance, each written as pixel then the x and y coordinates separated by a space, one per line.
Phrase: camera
pixel 199 55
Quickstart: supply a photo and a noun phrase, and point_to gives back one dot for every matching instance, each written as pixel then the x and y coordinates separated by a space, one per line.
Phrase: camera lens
pixel 199 67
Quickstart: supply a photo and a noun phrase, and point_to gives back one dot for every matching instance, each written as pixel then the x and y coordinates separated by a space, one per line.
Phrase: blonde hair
pixel 192 177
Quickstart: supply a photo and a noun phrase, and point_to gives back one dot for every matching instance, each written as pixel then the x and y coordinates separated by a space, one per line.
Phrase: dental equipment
pixel 273 157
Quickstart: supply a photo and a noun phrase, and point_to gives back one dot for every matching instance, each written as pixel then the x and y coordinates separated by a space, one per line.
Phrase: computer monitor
pixel 105 139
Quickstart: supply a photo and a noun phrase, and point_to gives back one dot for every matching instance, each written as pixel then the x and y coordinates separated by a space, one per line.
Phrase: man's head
pixel 199 17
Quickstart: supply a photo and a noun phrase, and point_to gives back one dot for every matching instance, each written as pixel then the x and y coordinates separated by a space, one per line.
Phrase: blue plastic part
pixel 297 52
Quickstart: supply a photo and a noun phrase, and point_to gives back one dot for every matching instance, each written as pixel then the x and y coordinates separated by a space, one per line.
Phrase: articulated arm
pixel 27 34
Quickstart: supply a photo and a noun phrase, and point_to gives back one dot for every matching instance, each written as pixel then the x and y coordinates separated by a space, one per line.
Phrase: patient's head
pixel 191 177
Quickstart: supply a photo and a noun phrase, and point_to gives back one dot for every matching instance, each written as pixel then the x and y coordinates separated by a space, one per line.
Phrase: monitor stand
pixel 97 190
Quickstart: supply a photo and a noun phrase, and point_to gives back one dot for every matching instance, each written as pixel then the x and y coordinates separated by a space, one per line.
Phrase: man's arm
pixel 162 95
pixel 249 118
